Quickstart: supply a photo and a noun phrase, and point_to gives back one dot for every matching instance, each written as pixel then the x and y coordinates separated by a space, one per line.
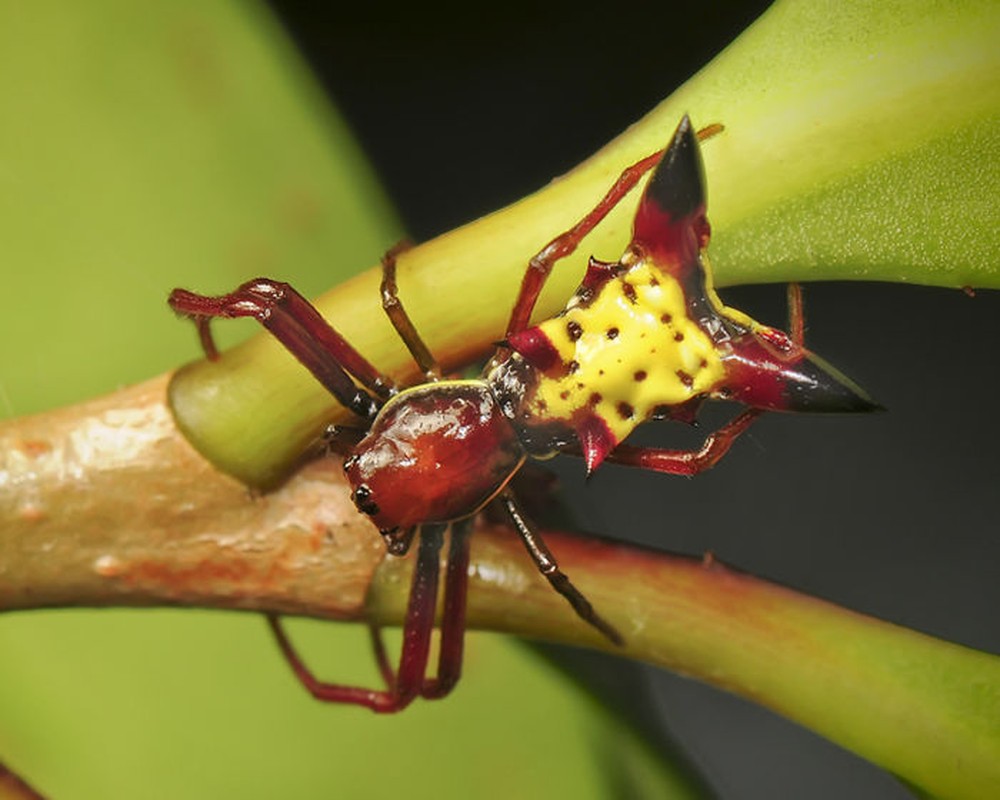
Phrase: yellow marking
pixel 733 314
pixel 654 336
pixel 404 395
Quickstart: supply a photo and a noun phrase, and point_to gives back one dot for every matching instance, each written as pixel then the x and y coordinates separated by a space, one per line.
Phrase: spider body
pixel 642 338
pixel 435 453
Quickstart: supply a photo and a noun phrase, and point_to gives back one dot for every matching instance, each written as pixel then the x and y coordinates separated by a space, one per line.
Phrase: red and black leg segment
pixel 303 332
pixel 394 309
pixel 456 588
pixel 409 680
pixel 450 650
pixel 547 565
pixel 686 462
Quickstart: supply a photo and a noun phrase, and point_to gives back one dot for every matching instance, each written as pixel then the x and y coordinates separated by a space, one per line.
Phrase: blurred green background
pixel 161 144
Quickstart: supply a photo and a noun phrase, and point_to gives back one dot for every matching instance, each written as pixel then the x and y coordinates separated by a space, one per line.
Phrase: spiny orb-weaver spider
pixel 645 337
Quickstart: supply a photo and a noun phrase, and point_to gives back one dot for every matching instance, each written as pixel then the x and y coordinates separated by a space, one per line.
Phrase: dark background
pixel 889 514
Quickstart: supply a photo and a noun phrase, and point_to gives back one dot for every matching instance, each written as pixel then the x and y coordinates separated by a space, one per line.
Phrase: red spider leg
pixel 540 266
pixel 381 655
pixel 547 565
pixel 13 786
pixel 796 315
pixel 686 462
pixel 456 585
pixel 409 679
pixel 300 328
pixel 400 320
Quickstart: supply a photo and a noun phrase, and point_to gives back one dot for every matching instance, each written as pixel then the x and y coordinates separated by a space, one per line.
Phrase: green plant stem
pixel 925 709
pixel 862 141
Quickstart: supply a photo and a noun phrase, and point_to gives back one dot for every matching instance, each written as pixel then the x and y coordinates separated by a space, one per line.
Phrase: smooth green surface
pixel 153 145
pixel 862 141
pixel 200 705
pixel 181 143
pixel 865 143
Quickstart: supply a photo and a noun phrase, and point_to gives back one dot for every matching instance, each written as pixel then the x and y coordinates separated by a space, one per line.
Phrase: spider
pixel 643 338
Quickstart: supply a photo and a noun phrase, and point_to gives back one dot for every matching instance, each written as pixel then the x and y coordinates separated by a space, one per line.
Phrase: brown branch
pixel 107 504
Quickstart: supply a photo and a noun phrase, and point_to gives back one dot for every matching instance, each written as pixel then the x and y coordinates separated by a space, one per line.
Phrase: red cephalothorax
pixel 435 453
pixel 645 337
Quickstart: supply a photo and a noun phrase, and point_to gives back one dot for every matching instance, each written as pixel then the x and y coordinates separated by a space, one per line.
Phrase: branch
pixel 109 505
pixel 14 787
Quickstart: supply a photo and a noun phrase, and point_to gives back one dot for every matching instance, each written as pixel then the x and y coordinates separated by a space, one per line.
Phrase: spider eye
pixel 362 497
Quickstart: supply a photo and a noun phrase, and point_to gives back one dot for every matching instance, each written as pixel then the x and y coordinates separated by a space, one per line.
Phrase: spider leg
pixel 381 655
pixel 342 439
pixel 300 328
pixel 409 678
pixel 456 584
pixel 400 320
pixel 547 565
pixel 686 462
pixel 540 265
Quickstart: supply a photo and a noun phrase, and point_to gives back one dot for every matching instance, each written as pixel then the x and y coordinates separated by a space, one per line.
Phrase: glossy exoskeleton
pixel 645 337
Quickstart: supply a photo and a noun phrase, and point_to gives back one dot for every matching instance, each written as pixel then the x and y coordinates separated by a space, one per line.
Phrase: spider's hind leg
pixel 409 680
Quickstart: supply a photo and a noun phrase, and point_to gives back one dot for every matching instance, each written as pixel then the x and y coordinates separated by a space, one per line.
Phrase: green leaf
pixel 158 144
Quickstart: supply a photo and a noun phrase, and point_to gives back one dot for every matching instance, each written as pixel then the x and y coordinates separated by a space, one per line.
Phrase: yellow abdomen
pixel 629 351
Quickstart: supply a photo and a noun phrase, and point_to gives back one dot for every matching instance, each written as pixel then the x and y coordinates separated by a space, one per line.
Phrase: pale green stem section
pixel 862 141
pixel 923 708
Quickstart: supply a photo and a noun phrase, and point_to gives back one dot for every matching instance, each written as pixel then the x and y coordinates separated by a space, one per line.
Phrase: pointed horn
pixel 671 220
pixel 799 381
pixel 813 385
pixel 677 186
pixel 596 441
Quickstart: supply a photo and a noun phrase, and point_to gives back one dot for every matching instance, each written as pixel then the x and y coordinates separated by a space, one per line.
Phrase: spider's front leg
pixel 417 629
pixel 303 332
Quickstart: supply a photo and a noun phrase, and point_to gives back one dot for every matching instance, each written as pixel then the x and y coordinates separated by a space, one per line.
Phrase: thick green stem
pixel 861 142
pixel 923 708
